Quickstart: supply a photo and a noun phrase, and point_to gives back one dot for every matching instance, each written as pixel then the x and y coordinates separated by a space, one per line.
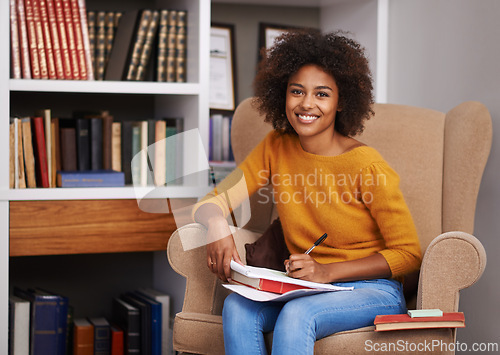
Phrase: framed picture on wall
pixel 222 67
pixel 268 33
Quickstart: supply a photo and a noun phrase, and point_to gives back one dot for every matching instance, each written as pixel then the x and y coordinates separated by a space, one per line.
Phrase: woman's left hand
pixel 304 267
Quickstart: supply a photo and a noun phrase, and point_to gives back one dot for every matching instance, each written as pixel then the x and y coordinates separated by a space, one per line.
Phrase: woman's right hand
pixel 220 248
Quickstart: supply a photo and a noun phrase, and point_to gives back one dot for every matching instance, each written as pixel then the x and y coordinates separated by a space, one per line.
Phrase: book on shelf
pixel 83 337
pixel 41 167
pixel 15 51
pixel 145 319
pixel 155 309
pixel 102 335
pixel 47 40
pixel 29 157
pixel 128 318
pixel 404 321
pixel 90 178
pixel 19 326
pixel 166 325
pixel 16 156
pixel 24 46
pixel 145 52
pixel 138 43
pixel 117 340
pixel 48 320
pixel 50 40
pixel 220 148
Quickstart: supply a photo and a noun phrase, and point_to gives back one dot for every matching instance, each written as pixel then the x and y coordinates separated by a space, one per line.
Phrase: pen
pixel 316 243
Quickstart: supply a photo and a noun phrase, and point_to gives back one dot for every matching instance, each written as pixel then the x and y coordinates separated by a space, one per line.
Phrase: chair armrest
pixel 453 261
pixel 187 255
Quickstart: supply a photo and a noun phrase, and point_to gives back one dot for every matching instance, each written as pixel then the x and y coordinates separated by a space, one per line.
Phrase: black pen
pixel 316 243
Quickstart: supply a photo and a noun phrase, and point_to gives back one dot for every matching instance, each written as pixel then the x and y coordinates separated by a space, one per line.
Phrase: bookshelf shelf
pixel 105 87
pixel 102 193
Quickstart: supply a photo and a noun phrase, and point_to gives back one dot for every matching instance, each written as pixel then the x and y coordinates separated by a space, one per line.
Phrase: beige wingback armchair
pixel 440 158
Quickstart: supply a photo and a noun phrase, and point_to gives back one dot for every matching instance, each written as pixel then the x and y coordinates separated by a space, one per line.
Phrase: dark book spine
pixel 83 144
pixel 127 151
pixel 95 143
pixel 107 132
pixel 41 167
pixel 68 149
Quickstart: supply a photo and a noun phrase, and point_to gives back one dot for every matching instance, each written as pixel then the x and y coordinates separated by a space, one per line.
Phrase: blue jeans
pixel 298 323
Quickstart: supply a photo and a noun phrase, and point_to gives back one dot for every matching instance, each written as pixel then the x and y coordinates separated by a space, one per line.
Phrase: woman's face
pixel 312 102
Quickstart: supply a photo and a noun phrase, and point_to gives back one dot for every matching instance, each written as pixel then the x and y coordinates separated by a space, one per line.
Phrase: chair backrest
pixel 440 159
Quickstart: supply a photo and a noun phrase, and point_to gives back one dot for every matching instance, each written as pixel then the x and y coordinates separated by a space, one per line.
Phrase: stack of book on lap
pixel 261 284
pixel 420 319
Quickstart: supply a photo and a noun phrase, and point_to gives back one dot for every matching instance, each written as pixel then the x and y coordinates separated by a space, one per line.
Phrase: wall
pixel 441 53
pixel 246 20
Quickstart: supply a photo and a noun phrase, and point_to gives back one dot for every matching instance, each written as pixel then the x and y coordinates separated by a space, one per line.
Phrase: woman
pixel 316 91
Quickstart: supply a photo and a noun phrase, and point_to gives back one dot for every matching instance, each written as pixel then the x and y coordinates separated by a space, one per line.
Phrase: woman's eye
pixel 322 94
pixel 296 91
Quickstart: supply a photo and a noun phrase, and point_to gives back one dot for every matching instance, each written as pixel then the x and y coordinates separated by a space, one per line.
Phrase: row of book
pixel 220 148
pixel 59 39
pixel 43 322
pixel 49 40
pixel 91 149
pixel 147 45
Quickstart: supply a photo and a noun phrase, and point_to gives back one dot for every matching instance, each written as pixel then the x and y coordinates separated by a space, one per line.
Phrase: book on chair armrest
pixel 404 321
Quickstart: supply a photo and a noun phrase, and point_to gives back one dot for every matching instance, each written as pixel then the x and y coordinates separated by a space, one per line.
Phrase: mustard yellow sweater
pixel 354 197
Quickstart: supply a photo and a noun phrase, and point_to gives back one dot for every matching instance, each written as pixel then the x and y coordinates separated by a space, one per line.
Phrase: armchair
pixel 440 158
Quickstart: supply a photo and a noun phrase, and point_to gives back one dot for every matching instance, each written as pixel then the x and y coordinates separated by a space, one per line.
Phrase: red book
pixel 56 42
pixel 70 33
pixel 80 50
pixel 42 56
pixel 63 39
pixel 42 172
pixel 404 321
pixel 271 280
pixel 23 41
pixel 49 53
pixel 116 340
pixel 32 42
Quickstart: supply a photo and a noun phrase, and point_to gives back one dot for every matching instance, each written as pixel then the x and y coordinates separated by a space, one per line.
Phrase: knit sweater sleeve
pixel 382 195
pixel 252 174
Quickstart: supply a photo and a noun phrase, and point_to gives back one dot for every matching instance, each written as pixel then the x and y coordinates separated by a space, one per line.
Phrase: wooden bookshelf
pixel 86 226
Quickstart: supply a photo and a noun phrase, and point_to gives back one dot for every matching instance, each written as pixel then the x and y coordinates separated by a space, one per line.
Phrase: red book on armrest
pixel 404 321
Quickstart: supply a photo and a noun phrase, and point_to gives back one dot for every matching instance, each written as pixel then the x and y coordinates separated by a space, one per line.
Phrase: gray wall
pixel 441 53
pixel 246 20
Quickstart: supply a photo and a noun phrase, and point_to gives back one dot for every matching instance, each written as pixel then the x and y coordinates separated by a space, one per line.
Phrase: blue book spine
pixel 63 324
pixel 44 337
pixel 156 323
pixel 94 178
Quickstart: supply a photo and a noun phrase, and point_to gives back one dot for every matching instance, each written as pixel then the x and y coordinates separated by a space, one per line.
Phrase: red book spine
pixel 117 341
pixel 44 72
pixel 278 287
pixel 70 33
pixel 14 42
pixel 33 47
pixel 23 41
pixel 56 42
pixel 41 154
pixel 63 40
pixel 51 66
pixel 86 40
pixel 80 51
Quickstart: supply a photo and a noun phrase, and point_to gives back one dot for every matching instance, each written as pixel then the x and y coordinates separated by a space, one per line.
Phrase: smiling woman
pixel 316 90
